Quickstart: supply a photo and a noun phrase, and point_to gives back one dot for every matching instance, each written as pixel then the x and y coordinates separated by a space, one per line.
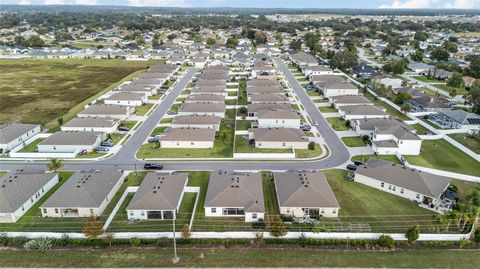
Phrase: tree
pixel 108 237
pixel 474 67
pixel 440 54
pixel 455 80
pixel 295 45
pixel 417 56
pixel 211 41
pixel 473 97
pixel 243 110
pixel 232 42
pixel 55 164
pixel 259 240
pixel 277 227
pixel 413 233
pixel 311 146
pixel 452 93
pixel 260 37
pixel 60 121
pixel 92 228
pixel 420 36
pixel 344 60
pixel 186 232
pixel 406 108
pixel 450 46
pixel 386 241
pixel 402 97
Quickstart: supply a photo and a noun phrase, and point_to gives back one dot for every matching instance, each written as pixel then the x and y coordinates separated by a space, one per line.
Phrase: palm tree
pixel 55 164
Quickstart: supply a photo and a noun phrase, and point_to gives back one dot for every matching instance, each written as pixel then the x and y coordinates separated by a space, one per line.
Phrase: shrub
pixel 4 240
pixel 386 241
pixel 277 228
pixel 40 244
pixel 311 146
pixel 260 224
pixel 186 232
pixel 477 236
pixel 134 241
pixel 347 123
pixel 413 233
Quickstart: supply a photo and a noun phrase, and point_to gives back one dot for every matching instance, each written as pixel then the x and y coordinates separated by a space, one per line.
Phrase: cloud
pixel 159 3
pixel 53 2
pixel 24 2
pixel 407 4
pixel 85 2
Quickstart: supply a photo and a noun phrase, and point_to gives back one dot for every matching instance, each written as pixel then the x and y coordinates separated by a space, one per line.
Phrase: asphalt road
pixel 125 158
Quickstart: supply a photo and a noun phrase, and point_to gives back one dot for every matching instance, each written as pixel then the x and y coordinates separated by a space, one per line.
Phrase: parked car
pixel 357 163
pixel 351 167
pixel 306 127
pixel 153 166
pixel 153 139
pixel 123 129
pixel 102 149
pixel 107 143
pixel 316 123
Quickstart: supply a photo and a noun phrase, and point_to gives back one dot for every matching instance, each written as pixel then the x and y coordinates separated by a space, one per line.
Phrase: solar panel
pixel 473 121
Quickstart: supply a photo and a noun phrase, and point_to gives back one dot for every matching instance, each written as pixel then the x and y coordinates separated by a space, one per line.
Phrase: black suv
pixel 153 166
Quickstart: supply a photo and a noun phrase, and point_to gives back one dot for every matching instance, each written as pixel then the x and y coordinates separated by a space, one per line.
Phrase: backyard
pixel 439 154
pixel 468 141
pixel 364 158
pixel 70 84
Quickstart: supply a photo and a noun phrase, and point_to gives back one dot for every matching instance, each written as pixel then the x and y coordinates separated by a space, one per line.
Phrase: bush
pixel 134 241
pixel 386 241
pixel 311 146
pixel 477 236
pixel 347 123
pixel 4 240
pixel 413 233
pixel 41 244
pixel 260 224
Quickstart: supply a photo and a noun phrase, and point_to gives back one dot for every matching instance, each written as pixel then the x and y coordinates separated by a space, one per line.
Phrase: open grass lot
pixel 440 154
pixel 246 257
pixel 324 100
pixel 306 153
pixel 354 141
pixel 40 91
pixel 364 158
pixel 467 141
pixel 158 130
pixel 313 93
pixel 337 124
pixel 460 91
pixel 142 110
pixel 121 224
pixel 32 147
pixel 242 146
pixel 383 212
pixel 116 137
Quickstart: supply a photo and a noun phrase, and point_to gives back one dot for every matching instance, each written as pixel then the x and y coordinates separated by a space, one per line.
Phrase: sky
pixel 367 4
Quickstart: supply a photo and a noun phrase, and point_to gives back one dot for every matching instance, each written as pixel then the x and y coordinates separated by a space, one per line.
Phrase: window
pixel 284 144
pixel 323 211
pixel 56 210
pixel 402 190
pixel 23 209
pixel 43 190
pixel 143 213
pixel 91 211
pixel 192 143
pixel 214 210
pixel 44 211
pixel 131 213
pixel 334 211
pixel 382 185
pixel 254 215
pixel 390 187
pixel 394 188
pixel 418 195
pixel 31 199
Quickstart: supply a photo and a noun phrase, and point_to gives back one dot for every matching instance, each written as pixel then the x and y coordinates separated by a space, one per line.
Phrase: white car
pixel 316 123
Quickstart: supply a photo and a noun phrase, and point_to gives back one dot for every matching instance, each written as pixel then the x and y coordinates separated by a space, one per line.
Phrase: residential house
pixel 188 138
pixel 70 142
pixel 277 118
pixel 337 88
pixel 126 99
pixel 349 100
pixel 158 197
pixel 253 109
pixel 305 195
pixel 91 124
pixel 85 194
pixel 15 134
pixel 202 108
pixel 235 194
pixel 107 111
pixel 196 121
pixel 456 119
pixel 353 112
pixel 278 138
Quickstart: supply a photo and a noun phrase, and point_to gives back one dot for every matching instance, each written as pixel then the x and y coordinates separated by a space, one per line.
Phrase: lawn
pixel 440 154
pixel 468 141
pixel 142 110
pixel 155 97
pixel 242 93
pixel 32 147
pixel 306 153
pixel 231 102
pixel 390 110
pixel 128 123
pixel 337 124
pixel 364 158
pixel 166 120
pixel 116 137
pixel 324 100
pixel 120 222
pixel 233 93
pixel 427 79
pixel 246 257
pixel 243 124
pixel 381 211
pixel 242 146
pixel 269 196
pixel 421 130
pixel 158 130
pixel 175 107
pixel 222 148
pixel 313 93
pixel 185 92
pixel 327 109
pixel 460 91
pixel 354 141
pixel 42 90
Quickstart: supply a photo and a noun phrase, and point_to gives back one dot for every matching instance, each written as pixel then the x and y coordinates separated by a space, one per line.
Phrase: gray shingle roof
pixel 104 109
pixel 202 107
pixel 277 114
pixel 90 122
pixel 84 189
pixel 252 108
pixel 159 191
pixel 351 99
pixel 404 177
pixel 188 134
pixel 12 131
pixel 300 189
pixel 362 110
pixel 278 134
pixel 206 98
pixel 197 119
pixel 126 96
pixel 231 189
pixel 16 187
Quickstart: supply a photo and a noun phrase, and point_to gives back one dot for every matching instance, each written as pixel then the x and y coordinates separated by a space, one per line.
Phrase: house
pixel 217 89
pixel 85 194
pixel 196 121
pixel 349 100
pixel 15 134
pixel 277 118
pixel 126 99
pixel 202 108
pixel 199 98
pixel 235 194
pixel 264 72
pixel 203 138
pixel 321 80
pixel 419 67
pixel 338 88
pixel 278 138
pixel 361 112
pixel 456 119
pixel 265 90
pixel 137 86
pixel 468 81
pixel 363 70
pixel 158 197
pixel 267 98
pixel 253 109
pixel 390 82
pixel 70 142
pixel 305 195
pixel 415 185
pixel 428 103
pixel 303 58
pixel 107 111
pixel 395 139
pixel 20 190
pixel 91 124
pixel 317 70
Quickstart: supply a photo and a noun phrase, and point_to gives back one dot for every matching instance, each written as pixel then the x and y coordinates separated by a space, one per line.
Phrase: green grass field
pixel 32 147
pixel 243 124
pixel 355 141
pixel 420 129
pixel 364 158
pixel 467 141
pixel 337 124
pixel 327 109
pixel 246 257
pixel 142 110
pixel 427 79
pixel 306 153
pixel 40 91
pixel 440 154
pixel 460 91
